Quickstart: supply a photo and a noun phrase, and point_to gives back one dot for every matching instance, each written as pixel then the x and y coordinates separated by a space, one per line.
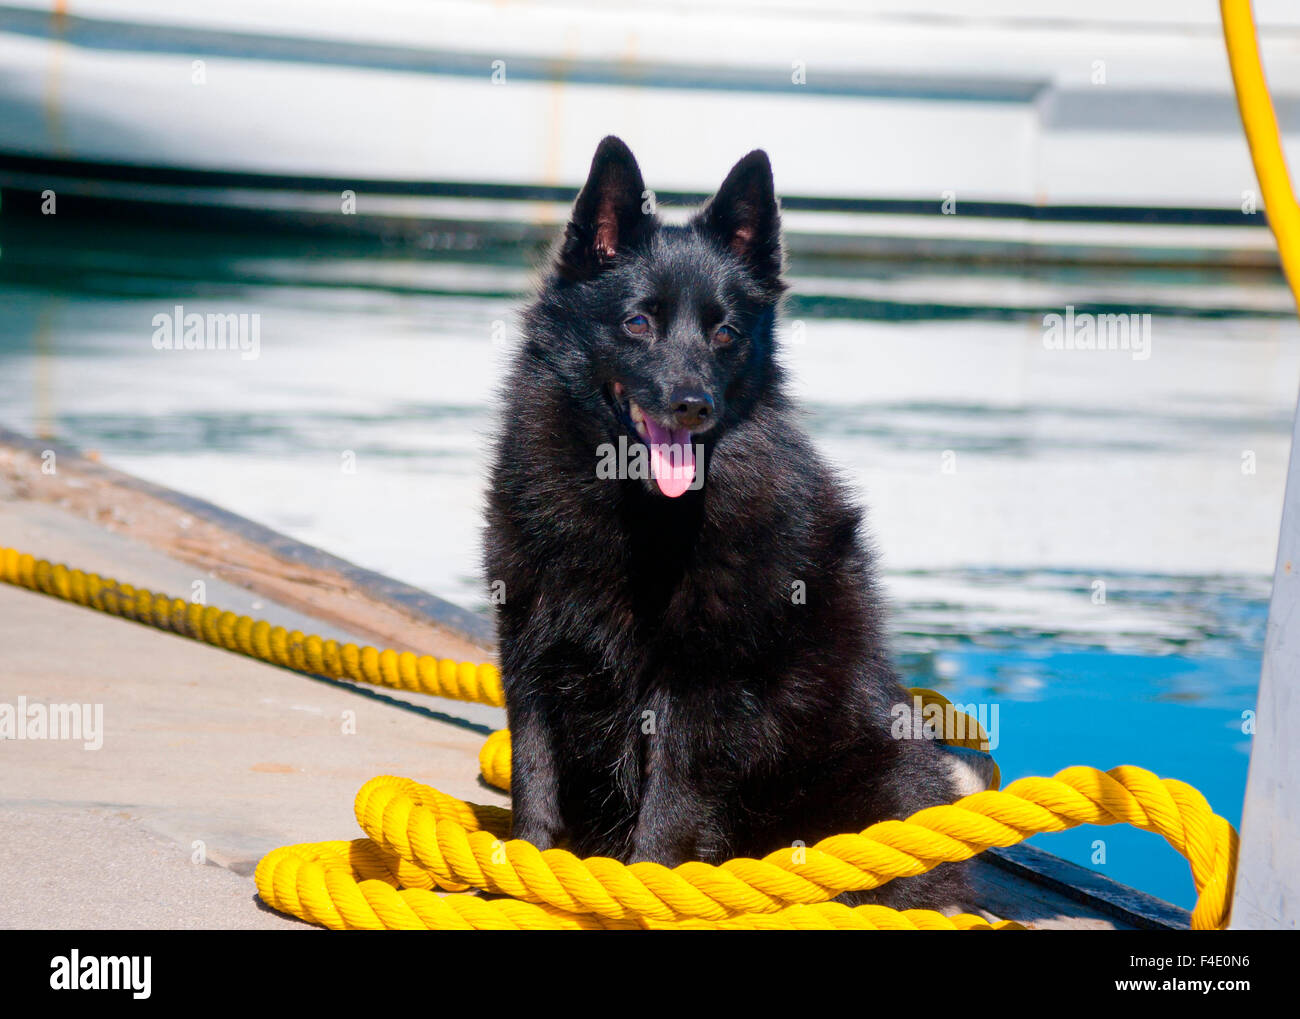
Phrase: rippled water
pixel 1068 535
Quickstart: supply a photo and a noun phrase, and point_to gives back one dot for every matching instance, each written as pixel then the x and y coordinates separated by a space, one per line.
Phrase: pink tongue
pixel 672 458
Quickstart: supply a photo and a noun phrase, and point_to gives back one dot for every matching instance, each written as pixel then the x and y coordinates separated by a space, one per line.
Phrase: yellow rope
pixel 356 886
pixel 420 839
pixel 1260 123
pixel 462 681
pixel 494 759
pixel 414 824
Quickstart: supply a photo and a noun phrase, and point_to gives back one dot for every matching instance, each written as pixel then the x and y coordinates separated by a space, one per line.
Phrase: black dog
pixel 690 632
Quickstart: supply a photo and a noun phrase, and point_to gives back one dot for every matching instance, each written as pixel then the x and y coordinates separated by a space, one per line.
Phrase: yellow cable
pixel 1260 123
pixel 351 886
pixel 425 839
pixel 494 759
pixel 462 681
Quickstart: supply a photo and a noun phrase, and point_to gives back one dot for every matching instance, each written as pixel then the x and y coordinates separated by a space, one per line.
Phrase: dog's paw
pixel 971 771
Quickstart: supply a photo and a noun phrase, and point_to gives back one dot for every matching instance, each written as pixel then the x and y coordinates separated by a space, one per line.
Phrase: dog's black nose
pixel 693 408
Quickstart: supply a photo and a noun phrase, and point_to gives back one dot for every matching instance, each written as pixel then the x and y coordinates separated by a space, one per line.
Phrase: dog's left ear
pixel 608 216
pixel 745 218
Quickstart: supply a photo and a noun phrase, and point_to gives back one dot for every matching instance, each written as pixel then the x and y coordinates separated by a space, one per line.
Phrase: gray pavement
pixel 205 754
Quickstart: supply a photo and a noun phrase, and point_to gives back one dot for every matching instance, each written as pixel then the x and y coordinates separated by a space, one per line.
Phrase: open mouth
pixel 672 454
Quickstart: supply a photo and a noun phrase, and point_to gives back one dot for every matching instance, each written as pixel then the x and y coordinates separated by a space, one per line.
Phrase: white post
pixel 1267 895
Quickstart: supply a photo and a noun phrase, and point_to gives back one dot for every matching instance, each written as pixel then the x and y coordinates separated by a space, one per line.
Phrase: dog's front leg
pixel 678 817
pixel 534 779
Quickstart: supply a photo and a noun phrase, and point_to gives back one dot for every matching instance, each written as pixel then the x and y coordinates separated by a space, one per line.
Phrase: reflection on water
pixel 1073 536
pixel 1046 611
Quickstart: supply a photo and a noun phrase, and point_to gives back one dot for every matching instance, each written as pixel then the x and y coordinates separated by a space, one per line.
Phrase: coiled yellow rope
pixel 357 886
pixel 420 839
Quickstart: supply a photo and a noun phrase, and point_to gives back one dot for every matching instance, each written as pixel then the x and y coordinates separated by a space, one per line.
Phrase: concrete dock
pixel 208 759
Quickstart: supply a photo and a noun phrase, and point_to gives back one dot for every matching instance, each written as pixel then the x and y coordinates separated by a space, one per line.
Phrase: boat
pixel 1106 136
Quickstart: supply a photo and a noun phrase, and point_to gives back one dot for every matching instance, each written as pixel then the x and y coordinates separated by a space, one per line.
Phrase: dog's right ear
pixel 607 217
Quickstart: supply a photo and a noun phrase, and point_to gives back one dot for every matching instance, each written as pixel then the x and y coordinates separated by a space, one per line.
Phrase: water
pixel 1068 535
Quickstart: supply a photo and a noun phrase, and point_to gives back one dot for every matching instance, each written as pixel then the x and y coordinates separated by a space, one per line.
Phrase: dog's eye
pixel 723 335
pixel 637 325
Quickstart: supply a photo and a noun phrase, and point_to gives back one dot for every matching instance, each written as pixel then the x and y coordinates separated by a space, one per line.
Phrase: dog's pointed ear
pixel 608 216
pixel 745 219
